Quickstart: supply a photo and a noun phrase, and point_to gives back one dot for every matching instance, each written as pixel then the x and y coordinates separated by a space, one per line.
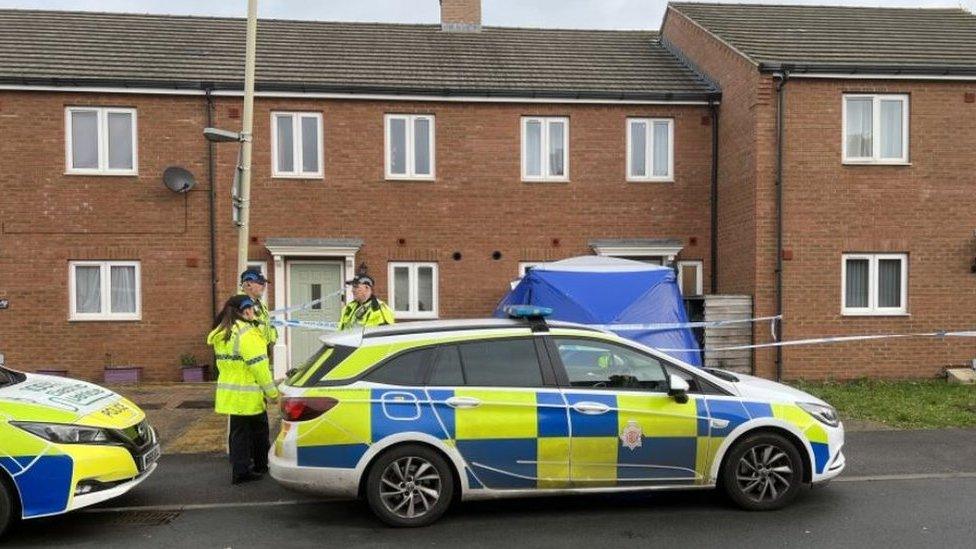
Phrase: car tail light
pixel 306 408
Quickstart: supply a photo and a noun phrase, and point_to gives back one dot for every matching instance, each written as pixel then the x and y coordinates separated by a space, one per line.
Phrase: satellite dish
pixel 178 180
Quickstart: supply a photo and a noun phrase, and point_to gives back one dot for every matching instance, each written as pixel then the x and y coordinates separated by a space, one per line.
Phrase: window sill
pixel 545 180
pixel 849 314
pixel 874 163
pixel 307 177
pixel 427 179
pixel 101 173
pixel 648 180
pixel 127 318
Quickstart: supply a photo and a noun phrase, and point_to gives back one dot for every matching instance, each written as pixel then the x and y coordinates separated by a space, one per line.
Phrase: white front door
pixel 308 281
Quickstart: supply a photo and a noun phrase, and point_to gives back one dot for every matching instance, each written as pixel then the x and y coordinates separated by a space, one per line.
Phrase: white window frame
pixel 875 157
pixel 873 309
pixel 410 151
pixel 264 272
pixel 413 313
pixel 649 150
pixel 106 291
pixel 297 145
pixel 544 144
pixel 699 266
pixel 103 143
pixel 524 266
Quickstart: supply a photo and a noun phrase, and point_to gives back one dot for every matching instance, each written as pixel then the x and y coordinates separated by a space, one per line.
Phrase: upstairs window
pixel 409 146
pixel 875 284
pixel 296 144
pixel 545 149
pixel 100 141
pixel 875 129
pixel 650 149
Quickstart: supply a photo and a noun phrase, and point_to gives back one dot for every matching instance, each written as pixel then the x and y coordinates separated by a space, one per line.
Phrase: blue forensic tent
pixel 606 291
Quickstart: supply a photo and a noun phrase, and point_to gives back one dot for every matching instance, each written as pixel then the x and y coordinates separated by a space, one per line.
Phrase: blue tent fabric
pixel 601 290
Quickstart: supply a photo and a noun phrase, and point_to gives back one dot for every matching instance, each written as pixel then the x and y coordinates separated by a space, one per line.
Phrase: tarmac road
pixel 902 489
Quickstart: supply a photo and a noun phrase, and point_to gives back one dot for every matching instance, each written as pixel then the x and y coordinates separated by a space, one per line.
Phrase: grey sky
pixel 605 14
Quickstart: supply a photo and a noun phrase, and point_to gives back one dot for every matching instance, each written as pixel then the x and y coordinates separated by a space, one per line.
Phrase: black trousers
pixel 249 443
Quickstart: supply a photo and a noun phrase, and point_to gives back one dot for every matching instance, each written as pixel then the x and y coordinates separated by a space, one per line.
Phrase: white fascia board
pixel 843 76
pixel 364 96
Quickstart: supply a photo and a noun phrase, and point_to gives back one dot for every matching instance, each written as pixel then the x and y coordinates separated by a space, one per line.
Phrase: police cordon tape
pixel 303 306
pixel 666 326
pixel 828 340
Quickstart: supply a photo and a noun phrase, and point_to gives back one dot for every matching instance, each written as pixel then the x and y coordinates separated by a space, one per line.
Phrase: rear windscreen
pixel 319 364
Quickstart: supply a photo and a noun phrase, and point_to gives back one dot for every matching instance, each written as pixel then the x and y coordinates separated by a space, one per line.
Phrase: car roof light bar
pixel 533 314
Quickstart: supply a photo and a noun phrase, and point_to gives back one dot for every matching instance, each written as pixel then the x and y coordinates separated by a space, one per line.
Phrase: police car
pixel 416 416
pixel 67 444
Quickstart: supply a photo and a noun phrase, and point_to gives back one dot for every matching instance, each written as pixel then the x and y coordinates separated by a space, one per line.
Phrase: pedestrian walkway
pixel 183 415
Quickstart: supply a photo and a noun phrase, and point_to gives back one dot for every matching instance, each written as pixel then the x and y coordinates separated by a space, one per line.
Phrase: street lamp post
pixel 242 174
pixel 243 232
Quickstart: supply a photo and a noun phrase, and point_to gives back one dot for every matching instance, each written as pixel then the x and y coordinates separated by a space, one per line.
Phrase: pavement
pixel 901 489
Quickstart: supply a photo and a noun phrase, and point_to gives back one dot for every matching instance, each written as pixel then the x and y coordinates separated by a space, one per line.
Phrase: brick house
pixel 876 179
pixel 444 159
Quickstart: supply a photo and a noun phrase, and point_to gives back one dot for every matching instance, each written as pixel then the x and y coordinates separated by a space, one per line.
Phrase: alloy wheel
pixel 764 473
pixel 410 487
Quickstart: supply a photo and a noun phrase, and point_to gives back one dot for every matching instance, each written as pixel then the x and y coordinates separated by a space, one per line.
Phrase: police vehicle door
pixel 504 412
pixel 625 428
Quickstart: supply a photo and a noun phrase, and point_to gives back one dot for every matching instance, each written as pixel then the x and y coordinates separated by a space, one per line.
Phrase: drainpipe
pixel 781 78
pixel 713 282
pixel 212 178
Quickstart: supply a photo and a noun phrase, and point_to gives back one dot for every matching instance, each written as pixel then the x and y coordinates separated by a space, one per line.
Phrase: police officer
pixel 365 309
pixel 243 383
pixel 253 284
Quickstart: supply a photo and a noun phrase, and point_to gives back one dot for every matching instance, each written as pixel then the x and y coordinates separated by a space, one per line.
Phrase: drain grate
pixel 196 404
pixel 143 518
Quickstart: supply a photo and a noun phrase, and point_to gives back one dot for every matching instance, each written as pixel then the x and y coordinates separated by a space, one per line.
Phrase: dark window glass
pixel 447 372
pixel 600 364
pixel 503 363
pixel 405 369
pixel 328 356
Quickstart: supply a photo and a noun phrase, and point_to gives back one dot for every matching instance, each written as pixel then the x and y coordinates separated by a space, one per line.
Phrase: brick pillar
pixel 461 15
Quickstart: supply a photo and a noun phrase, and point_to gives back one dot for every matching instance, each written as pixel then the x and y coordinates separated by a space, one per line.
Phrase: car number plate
pixel 150 457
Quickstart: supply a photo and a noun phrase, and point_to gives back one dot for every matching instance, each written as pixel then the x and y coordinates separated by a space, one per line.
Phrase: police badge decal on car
pixel 631 436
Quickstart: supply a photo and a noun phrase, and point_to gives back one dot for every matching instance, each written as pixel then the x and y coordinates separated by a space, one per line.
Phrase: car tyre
pixel 762 472
pixel 7 506
pixel 410 486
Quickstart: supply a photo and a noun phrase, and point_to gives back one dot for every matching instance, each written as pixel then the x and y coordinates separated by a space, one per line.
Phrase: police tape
pixel 828 340
pixel 303 306
pixel 306 324
pixel 666 326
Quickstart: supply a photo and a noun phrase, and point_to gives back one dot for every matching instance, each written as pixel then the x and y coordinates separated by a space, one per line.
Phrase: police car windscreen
pixel 328 357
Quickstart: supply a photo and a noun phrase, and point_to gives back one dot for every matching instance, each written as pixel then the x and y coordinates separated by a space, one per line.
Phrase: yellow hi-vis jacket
pixel 244 375
pixel 263 320
pixel 372 312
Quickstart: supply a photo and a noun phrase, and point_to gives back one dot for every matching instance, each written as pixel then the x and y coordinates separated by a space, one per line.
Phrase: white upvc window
pixel 104 290
pixel 545 148
pixel 690 280
pixel 409 146
pixel 875 129
pixel 650 149
pixel 413 289
pixel 874 284
pixel 100 141
pixel 296 145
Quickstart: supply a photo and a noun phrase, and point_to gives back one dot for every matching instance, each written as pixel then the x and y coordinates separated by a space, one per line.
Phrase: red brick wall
pixel 746 185
pixel 476 206
pixel 925 210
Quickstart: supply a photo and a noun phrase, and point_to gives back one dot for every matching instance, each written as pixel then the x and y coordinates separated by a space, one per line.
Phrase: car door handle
pixel 463 402
pixel 591 408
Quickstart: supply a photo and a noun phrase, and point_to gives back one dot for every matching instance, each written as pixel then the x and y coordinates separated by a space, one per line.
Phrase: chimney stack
pixel 460 15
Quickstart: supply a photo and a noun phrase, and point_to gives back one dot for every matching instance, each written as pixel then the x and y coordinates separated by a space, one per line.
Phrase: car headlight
pixel 824 414
pixel 65 434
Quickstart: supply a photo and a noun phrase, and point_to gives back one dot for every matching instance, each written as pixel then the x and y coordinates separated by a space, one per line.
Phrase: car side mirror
pixel 678 389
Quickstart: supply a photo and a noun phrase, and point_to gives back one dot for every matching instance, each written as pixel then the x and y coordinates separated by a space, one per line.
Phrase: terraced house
pixel 817 159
